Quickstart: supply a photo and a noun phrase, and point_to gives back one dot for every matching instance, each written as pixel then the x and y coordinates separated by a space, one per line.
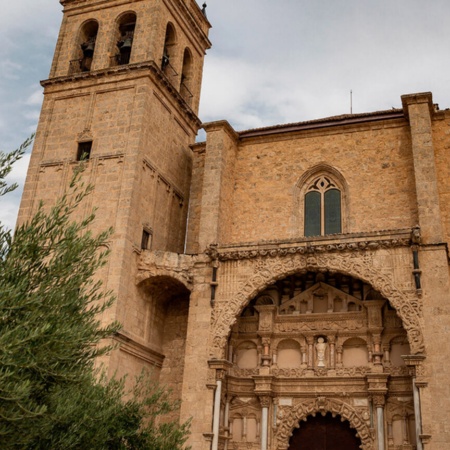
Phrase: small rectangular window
pixel 146 241
pixel 84 150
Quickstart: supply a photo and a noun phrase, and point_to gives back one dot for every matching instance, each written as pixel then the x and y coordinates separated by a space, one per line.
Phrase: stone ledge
pixel 318 244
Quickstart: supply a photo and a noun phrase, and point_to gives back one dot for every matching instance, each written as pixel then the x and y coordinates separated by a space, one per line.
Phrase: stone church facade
pixel 303 305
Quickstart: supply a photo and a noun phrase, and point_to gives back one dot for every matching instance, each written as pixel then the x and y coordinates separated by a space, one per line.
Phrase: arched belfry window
pixel 124 41
pixel 85 48
pixel 169 51
pixel 321 202
pixel 323 207
pixel 186 77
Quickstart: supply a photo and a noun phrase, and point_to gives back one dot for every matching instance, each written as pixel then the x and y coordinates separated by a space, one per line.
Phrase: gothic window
pixel 125 38
pixel 85 48
pixel 322 207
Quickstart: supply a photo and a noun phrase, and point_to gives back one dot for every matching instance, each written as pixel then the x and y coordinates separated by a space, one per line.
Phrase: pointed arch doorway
pixel 324 433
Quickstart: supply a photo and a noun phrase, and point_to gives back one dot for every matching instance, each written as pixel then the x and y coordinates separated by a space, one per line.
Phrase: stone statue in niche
pixel 321 347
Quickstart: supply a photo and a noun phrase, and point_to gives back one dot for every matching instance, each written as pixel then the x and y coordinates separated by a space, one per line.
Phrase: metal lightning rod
pixel 351 101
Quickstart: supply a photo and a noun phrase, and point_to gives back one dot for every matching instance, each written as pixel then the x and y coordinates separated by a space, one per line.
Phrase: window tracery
pixel 322 207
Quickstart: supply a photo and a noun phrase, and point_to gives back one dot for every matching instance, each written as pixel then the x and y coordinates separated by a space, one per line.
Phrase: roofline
pixel 347 119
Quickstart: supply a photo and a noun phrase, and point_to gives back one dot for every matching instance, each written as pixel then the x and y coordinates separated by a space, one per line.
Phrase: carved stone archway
pixel 267 270
pixel 289 417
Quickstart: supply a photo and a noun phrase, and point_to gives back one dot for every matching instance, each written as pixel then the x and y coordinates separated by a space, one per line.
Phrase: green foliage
pixel 50 397
pixel 6 163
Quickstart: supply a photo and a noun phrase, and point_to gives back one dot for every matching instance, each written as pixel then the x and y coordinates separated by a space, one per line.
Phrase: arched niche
pixel 252 428
pixel 288 354
pixel 237 428
pixel 355 353
pixel 246 355
pixel 399 346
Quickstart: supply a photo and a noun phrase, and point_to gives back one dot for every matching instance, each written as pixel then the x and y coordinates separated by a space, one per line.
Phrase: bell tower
pixel 123 96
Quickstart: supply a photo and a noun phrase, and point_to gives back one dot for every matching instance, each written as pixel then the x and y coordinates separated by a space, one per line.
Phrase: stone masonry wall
pixel 441 133
pixel 374 160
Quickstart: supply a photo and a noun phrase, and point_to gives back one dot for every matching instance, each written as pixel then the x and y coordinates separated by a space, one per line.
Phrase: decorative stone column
pixel 379 402
pixel 304 353
pixel 226 424
pixel 265 328
pixel 263 389
pixel 310 342
pixel 265 359
pixel 375 325
pixel 332 344
pixel 377 353
pixel 387 355
pixel 220 366
pixel 265 404
pixel 390 434
pixel 414 362
pixel 339 350
pixel 378 389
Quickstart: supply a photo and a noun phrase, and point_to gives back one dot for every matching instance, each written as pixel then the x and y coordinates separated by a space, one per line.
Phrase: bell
pixel 126 44
pixel 88 48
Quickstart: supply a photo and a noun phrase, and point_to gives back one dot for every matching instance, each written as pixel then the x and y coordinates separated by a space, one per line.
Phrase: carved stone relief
pixel 357 264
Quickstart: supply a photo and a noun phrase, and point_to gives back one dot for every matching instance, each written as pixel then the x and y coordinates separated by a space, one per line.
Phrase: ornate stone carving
pixel 166 264
pixel 379 401
pixel 319 325
pixel 398 371
pixel 360 265
pixel 308 249
pixel 288 373
pixel 244 373
pixel 289 418
pixel 352 371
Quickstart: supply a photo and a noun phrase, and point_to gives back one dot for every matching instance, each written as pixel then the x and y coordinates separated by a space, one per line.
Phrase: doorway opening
pixel 324 433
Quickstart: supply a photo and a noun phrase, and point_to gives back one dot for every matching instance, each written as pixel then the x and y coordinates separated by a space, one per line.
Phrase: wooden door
pixel 324 433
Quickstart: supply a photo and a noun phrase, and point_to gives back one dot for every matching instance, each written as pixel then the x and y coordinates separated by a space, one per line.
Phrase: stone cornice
pixel 357 242
pixel 194 21
pixel 150 67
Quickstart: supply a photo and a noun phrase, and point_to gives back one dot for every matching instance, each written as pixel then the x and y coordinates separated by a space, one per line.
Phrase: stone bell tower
pixel 123 96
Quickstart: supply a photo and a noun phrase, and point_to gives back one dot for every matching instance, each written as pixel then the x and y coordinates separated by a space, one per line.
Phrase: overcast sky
pixel 271 62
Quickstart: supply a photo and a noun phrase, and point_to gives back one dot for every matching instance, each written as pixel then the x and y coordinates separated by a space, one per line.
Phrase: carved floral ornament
pixel 308 249
pixel 289 417
pixel 356 264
